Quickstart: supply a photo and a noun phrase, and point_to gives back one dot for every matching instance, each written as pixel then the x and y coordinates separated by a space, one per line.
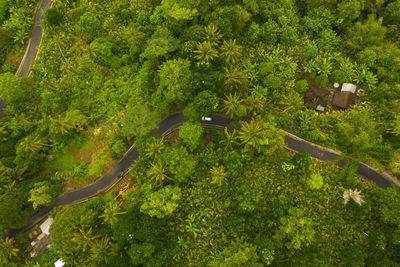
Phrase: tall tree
pixel 163 202
pixel 190 134
pixel 111 212
pixel 231 104
pixel 155 147
pixel 138 121
pixel 40 194
pixel 203 104
pixel 157 174
pixel 7 250
pixel 238 253
pixel 295 229
pixel 231 51
pixel 212 34
pixel 218 175
pixel 176 81
pixel 235 78
pixel 205 52
pixel 179 162
pixel 102 250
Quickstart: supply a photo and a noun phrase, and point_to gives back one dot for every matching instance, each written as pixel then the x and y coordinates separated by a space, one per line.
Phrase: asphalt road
pixel 34 41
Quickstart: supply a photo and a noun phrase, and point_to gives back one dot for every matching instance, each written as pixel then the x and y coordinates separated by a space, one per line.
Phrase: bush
pixel 301 86
pixel 52 17
pixel 81 171
pixel 118 148
pixel 99 161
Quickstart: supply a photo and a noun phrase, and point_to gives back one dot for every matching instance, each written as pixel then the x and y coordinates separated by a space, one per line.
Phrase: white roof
pixel 59 263
pixel 46 226
pixel 349 87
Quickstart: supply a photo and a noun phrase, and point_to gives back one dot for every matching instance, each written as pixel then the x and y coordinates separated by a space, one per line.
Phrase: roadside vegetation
pixel 16 19
pixel 108 71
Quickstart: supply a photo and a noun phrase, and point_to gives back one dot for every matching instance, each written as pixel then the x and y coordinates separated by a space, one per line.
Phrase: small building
pixel 45 226
pixel 344 99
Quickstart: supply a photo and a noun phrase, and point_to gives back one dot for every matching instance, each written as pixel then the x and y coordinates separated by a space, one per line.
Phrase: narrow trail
pixel 293 142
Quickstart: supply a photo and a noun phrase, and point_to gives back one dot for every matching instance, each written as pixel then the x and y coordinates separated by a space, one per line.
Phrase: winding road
pixel 34 41
pixel 293 142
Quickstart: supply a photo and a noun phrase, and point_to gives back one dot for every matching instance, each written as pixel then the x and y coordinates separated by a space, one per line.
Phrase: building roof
pixel 46 226
pixel 344 99
pixel 349 87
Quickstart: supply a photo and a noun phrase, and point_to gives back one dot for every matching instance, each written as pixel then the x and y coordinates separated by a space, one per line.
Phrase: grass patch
pixel 62 162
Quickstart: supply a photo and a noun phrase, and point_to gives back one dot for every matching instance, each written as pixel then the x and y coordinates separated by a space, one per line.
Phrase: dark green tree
pixel 191 134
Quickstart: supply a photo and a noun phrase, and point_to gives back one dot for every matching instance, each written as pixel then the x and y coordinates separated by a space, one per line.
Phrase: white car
pixel 206 118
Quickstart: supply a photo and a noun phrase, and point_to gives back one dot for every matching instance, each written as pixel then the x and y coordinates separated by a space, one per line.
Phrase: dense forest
pixel 109 70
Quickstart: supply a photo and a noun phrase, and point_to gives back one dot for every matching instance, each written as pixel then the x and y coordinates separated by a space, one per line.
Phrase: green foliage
pixel 11 209
pixel 238 253
pixel 52 17
pixel 118 148
pixel 218 175
pixel 247 199
pixel 203 104
pixel 191 134
pixel 301 86
pixel 162 56
pixel 163 202
pixel 295 229
pixel 99 161
pixel 179 162
pixel 138 121
pixel 176 82
pixel 7 250
pixel 17 92
pixel 40 194
pixel 111 211
pixel 92 24
pixel 71 229
pixel 141 253
pixel 160 44
pixel 316 181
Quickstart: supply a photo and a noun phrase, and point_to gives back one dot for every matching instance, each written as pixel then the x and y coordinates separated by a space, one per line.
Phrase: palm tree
pixel 353 194
pixel 83 238
pixel 212 34
pixel 230 104
pixel 234 78
pixel 157 173
pixel 205 52
pixel 250 133
pixel 155 148
pixel 230 138
pixel 7 250
pixel 112 210
pixel 218 175
pixel 255 103
pixel 101 250
pixel 231 51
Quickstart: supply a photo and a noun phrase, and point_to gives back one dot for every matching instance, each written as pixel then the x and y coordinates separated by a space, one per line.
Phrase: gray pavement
pixel 34 41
